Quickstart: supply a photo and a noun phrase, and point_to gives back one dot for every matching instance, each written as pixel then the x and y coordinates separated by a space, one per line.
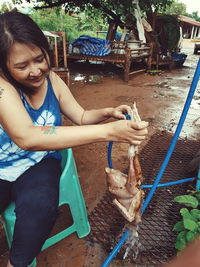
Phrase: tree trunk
pixel 151 18
pixel 111 31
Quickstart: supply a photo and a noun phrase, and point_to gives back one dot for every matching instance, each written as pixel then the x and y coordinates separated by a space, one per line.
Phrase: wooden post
pixel 56 51
pixel 127 64
pixel 149 59
pixel 64 49
pixel 192 32
pixel 195 32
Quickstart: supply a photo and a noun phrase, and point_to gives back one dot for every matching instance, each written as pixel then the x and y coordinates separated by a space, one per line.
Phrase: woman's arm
pixel 18 125
pixel 71 109
pixel 98 115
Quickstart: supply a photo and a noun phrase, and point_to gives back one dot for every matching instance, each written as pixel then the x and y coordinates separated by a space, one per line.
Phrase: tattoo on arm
pixel 49 129
pixel 1 92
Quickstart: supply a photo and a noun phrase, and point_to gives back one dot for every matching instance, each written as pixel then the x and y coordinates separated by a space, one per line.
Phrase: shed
pixel 190 27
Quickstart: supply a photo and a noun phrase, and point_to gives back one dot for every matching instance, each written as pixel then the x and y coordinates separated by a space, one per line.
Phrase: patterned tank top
pixel 13 160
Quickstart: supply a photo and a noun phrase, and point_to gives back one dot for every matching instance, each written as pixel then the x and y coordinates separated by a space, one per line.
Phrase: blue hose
pixel 148 186
pixel 170 183
pixel 198 179
pixel 110 144
pixel 165 162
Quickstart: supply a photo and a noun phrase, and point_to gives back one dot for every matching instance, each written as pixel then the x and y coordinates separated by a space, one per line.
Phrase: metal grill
pixel 156 239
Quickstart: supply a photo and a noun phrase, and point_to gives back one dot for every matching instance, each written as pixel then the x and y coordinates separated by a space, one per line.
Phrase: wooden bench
pixel 122 54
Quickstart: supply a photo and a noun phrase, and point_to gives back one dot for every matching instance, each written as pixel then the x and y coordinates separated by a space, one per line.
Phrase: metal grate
pixel 155 233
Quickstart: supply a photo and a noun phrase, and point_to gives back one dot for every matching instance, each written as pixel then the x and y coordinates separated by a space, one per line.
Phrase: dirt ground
pixel 160 100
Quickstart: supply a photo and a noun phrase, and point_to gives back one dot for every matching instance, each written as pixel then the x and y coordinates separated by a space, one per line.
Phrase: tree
pixel 194 15
pixel 153 7
pixel 5 6
pixel 55 19
pixel 118 11
pixel 176 8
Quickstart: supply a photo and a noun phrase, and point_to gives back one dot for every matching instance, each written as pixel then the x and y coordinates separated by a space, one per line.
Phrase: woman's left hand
pixel 118 112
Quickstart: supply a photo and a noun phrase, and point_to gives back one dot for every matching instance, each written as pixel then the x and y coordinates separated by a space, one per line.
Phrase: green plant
pixel 189 228
pixel 55 19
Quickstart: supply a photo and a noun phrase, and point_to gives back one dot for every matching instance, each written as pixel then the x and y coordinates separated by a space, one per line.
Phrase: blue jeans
pixel 36 196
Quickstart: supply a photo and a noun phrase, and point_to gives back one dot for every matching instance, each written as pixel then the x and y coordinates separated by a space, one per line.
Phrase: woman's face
pixel 27 65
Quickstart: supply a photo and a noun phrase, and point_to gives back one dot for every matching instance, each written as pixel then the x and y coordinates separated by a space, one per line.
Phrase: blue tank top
pixel 13 160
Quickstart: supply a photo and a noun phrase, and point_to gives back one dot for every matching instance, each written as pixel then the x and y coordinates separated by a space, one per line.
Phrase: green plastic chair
pixel 71 194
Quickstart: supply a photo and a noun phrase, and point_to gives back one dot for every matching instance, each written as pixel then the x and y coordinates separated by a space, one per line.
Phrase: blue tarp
pixel 92 46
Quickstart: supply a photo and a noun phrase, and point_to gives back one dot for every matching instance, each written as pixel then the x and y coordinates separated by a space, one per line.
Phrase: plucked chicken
pixel 126 188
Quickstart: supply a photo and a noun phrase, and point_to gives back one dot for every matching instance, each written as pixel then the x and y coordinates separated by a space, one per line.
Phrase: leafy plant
pixel 189 228
pixel 56 19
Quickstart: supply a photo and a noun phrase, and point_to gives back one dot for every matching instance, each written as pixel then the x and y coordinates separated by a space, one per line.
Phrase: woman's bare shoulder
pixel 4 83
pixel 52 75
pixel 7 89
pixel 58 84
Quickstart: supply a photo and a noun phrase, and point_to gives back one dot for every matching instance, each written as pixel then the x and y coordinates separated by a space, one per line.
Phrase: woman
pixel 32 98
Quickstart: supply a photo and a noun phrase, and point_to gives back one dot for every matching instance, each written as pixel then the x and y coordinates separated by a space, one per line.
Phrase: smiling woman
pixel 32 98
pixel 15 50
pixel 28 65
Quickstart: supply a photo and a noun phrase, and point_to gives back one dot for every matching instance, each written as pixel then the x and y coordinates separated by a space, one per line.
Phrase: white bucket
pixel 134 44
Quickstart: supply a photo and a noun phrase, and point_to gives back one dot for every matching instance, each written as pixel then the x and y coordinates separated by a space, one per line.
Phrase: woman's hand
pixel 118 112
pixel 127 131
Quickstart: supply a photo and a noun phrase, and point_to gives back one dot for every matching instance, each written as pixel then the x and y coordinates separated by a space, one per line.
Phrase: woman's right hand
pixel 127 131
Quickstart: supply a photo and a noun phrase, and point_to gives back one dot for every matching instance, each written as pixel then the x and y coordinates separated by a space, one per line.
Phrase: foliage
pixel 55 19
pixel 176 8
pixel 154 6
pixel 194 15
pixel 189 228
pixel 117 10
pixel 187 200
pixel 97 12
pixel 168 32
pixel 5 6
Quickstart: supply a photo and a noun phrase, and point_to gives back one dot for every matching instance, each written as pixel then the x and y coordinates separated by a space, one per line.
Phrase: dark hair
pixel 18 27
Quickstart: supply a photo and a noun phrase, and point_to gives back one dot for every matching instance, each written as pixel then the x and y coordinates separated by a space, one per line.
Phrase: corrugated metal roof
pixel 189 20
